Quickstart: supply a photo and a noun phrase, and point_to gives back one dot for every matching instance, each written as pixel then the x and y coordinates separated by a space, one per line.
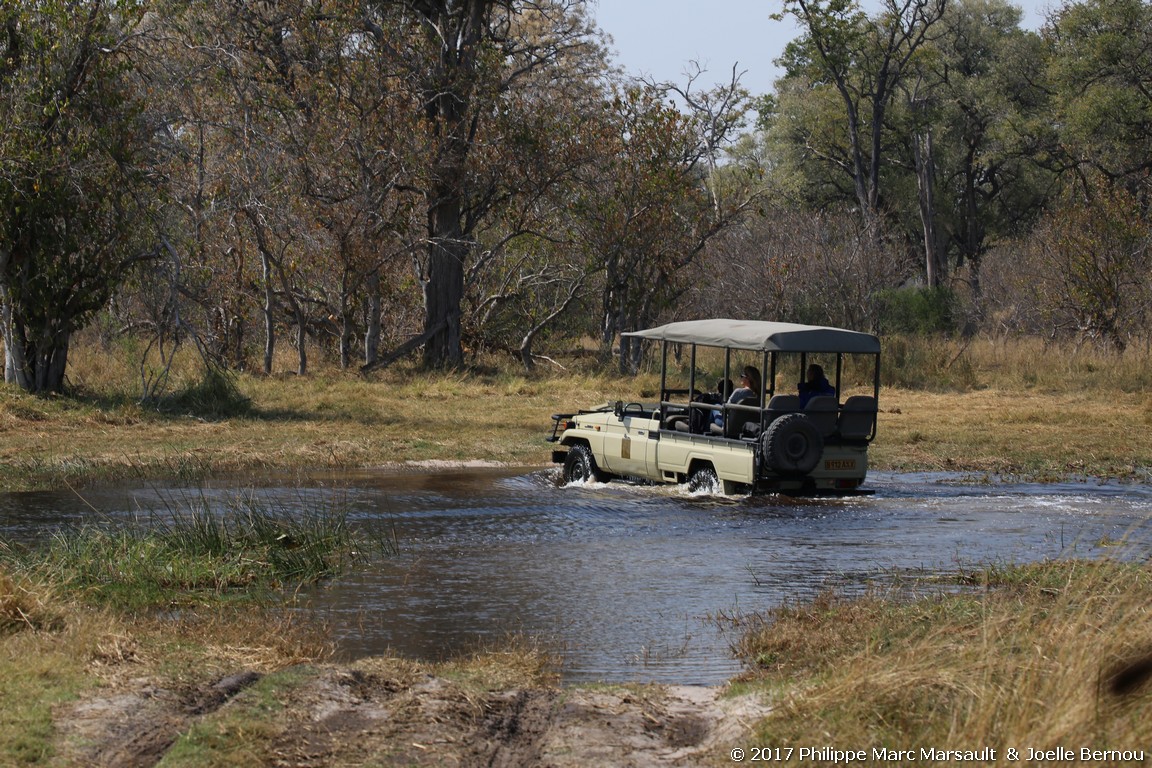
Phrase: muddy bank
pixel 389 712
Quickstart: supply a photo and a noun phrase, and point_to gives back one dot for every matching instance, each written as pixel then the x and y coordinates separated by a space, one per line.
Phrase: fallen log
pixel 403 349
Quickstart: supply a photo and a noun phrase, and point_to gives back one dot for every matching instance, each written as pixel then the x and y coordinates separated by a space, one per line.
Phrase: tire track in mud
pixel 355 715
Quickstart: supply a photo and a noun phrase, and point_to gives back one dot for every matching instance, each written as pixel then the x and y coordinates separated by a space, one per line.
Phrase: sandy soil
pixel 380 713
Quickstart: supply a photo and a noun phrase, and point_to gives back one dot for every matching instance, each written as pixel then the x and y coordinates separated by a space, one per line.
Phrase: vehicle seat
pixel 737 418
pixel 782 404
pixel 822 411
pixel 858 418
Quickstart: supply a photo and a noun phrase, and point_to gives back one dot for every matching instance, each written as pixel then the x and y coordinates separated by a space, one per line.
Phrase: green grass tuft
pixel 197 555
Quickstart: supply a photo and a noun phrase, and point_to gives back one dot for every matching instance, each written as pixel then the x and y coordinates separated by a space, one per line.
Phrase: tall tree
pixel 650 210
pixel 976 88
pixel 75 190
pixel 463 56
pixel 864 59
pixel 529 271
pixel 1101 70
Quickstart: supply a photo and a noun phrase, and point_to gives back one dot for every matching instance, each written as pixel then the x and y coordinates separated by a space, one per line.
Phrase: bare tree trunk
pixel 270 263
pixel 301 340
pixel 35 364
pixel 973 247
pixel 458 26
pixel 611 313
pixel 15 366
pixel 372 321
pixel 38 366
pixel 347 321
pixel 925 188
pixel 347 326
pixel 13 350
pixel 269 317
pixel 443 292
pixel 300 318
pixel 526 355
pixel 52 362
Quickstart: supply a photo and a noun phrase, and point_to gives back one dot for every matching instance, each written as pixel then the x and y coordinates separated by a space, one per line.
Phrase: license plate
pixel 839 465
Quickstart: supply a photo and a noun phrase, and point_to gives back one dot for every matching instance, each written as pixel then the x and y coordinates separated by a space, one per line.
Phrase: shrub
pixel 214 395
pixel 917 310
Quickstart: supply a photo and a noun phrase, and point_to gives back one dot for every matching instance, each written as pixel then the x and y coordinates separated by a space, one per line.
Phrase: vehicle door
pixel 631 451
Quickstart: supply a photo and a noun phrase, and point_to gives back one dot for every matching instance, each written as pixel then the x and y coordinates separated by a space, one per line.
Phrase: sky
pixel 659 38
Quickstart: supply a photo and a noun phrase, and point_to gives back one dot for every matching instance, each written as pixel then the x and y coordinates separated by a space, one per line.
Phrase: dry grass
pixel 984 406
pixel 331 419
pixel 55 651
pixel 1026 659
pixel 1040 435
pixel 1014 364
pixel 515 661
pixel 1030 663
pixel 106 660
pixel 23 605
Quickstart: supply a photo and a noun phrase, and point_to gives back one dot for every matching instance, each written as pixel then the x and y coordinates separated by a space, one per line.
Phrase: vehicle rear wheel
pixel 703 479
pixel 580 466
pixel 792 445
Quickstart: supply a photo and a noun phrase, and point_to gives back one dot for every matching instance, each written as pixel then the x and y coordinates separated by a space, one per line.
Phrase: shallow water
pixel 618 579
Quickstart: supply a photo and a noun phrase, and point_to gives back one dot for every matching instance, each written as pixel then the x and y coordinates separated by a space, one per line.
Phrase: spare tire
pixel 792 445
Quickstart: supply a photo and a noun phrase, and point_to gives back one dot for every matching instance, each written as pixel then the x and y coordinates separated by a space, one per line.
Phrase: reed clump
pixel 23 605
pixel 1045 655
pixel 196 555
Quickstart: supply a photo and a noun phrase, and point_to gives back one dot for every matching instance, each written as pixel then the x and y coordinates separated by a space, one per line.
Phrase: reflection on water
pixel 619 579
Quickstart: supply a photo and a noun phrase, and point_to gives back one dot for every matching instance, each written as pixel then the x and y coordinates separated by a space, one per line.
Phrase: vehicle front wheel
pixel 580 466
pixel 703 480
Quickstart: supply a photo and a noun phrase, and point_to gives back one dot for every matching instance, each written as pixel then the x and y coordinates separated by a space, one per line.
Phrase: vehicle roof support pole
pixel 764 382
pixel 769 363
pixel 727 377
pixel 692 375
pixel 839 371
pixel 664 370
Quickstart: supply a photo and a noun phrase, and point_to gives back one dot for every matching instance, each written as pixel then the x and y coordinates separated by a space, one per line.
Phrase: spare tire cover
pixel 792 445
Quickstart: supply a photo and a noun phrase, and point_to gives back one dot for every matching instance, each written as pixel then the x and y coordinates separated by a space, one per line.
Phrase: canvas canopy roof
pixel 763 336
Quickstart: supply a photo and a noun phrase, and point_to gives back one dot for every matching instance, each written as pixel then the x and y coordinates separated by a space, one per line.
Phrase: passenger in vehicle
pixel 750 386
pixel 718 395
pixel 724 388
pixel 816 383
pixel 747 393
pixel 701 417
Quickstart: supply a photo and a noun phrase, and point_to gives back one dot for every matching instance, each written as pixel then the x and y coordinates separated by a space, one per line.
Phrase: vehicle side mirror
pixel 619 410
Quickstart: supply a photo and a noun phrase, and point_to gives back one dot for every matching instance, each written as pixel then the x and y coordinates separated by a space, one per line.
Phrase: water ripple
pixel 620 579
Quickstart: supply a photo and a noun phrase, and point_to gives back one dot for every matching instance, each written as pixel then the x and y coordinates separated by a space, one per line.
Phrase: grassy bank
pixel 86 684
pixel 190 597
pixel 1045 656
pixel 986 406
pixel 1011 656
pixel 1041 657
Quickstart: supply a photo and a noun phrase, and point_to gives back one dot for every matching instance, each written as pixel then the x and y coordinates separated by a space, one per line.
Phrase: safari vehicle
pixel 766 444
